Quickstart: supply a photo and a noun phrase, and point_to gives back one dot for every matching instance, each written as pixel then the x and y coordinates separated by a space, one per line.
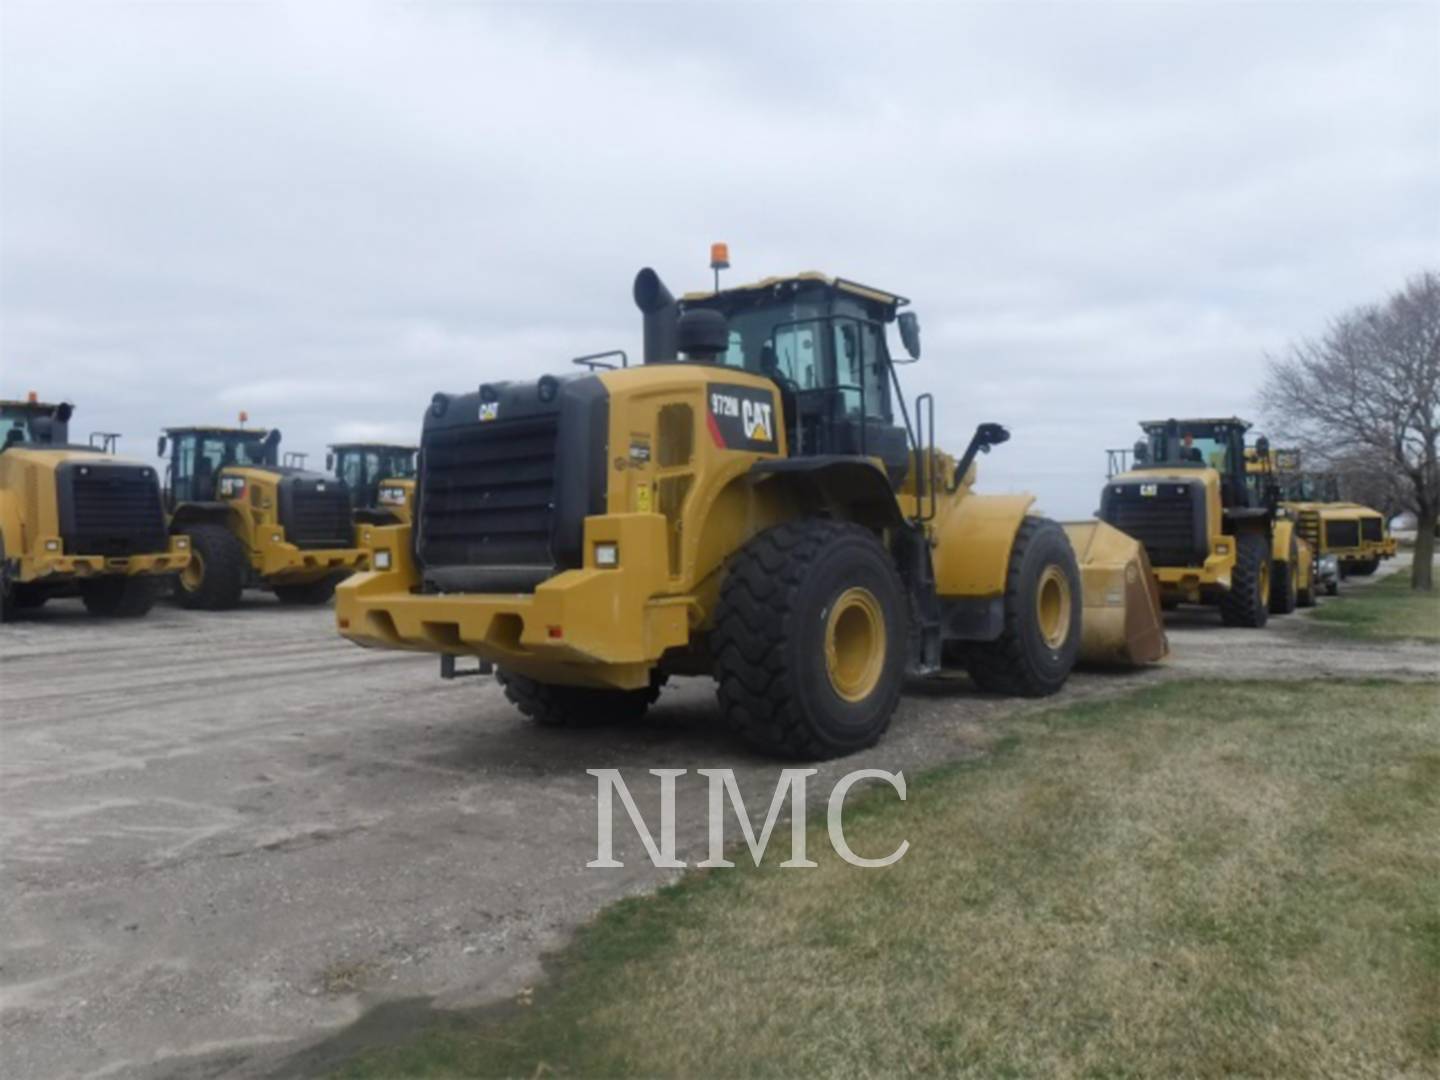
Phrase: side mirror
pixel 329 462
pixel 1262 447
pixel 160 444
pixel 1142 451
pixel 909 325
pixel 988 435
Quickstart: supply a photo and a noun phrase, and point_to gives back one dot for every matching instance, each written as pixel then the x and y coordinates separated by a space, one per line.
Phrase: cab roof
pixel 33 406
pixel 808 277
pixel 1198 421
pixel 372 446
pixel 257 433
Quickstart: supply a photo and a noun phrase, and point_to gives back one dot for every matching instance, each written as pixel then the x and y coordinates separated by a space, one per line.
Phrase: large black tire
pixel 552 705
pixel 1247 603
pixel 7 587
pixel 1023 661
pixel 1283 593
pixel 312 592
pixel 1306 598
pixel 219 579
pixel 119 597
pixel 810 640
pixel 1332 587
pixel 1365 567
pixel 28 597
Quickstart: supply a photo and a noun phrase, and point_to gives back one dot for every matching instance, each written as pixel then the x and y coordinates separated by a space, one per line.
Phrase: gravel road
pixel 226 837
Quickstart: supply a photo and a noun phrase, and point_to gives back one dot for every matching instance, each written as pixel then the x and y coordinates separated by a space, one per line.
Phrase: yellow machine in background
pixel 754 503
pixel 253 522
pixel 76 520
pixel 1350 538
pixel 1214 534
pixel 381 479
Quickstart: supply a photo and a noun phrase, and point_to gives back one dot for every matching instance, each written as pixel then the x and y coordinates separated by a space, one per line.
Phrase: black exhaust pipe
pixel 272 447
pixel 661 315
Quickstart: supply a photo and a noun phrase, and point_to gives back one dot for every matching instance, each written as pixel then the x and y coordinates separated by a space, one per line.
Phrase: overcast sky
pixel 322 213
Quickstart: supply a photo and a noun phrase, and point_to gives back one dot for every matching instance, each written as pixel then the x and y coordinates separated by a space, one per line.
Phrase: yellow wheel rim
pixel 194 573
pixel 1052 607
pixel 855 644
pixel 1265 582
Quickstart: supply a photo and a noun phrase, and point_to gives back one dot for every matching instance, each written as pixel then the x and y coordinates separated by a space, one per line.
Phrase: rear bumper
pixel 280 562
pixel 58 566
pixel 1192 580
pixel 586 627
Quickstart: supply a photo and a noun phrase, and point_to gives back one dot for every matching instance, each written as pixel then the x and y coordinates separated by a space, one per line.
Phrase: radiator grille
pixel 319 519
pixel 488 494
pixel 1163 522
pixel 112 510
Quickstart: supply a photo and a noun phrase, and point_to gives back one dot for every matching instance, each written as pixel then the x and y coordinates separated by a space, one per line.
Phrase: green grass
pixel 1200 879
pixel 1387 610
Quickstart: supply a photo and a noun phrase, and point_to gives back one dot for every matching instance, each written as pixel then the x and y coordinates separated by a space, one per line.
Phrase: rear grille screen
pixel 112 510
pixel 1164 522
pixel 488 494
pixel 318 519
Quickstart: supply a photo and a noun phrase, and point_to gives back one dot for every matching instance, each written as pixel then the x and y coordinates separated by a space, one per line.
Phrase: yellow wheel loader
pixel 75 520
pixel 381 479
pixel 252 522
pixel 1213 534
pixel 754 503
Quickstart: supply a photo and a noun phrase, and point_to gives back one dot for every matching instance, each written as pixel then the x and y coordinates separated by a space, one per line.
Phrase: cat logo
pixel 489 410
pixel 755 415
pixel 742 417
pixel 1149 490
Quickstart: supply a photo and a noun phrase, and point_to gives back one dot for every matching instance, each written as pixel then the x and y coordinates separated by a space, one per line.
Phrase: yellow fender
pixel 1123 625
pixel 975 534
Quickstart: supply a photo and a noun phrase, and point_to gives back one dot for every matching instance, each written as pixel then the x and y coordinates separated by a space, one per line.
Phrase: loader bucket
pixel 1122 626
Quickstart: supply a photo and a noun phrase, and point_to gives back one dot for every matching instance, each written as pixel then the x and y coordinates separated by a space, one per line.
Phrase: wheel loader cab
pixel 822 342
pixel 198 456
pixel 380 476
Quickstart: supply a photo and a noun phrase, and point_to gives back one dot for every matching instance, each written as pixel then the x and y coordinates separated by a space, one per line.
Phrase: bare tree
pixel 1369 390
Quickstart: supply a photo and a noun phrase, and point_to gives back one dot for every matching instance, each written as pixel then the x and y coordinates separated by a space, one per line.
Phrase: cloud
pixel 325 213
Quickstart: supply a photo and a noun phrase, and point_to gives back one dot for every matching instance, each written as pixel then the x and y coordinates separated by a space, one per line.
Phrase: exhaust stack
pixel 661 315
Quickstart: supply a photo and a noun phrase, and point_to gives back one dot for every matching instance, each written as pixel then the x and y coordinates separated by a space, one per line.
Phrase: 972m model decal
pixel 742 418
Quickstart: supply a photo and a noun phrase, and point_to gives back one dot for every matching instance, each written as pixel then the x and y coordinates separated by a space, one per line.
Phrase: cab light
pixel 1222 549
pixel 275 538
pixel 181 543
pixel 382 559
pixel 52 545
pixel 607 554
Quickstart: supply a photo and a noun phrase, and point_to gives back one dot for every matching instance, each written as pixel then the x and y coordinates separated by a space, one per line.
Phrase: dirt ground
pixel 226 837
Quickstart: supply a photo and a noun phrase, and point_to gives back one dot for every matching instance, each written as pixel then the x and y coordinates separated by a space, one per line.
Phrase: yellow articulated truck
pixel 1214 534
pixel 1350 538
pixel 1376 543
pixel 381 479
pixel 252 522
pixel 755 503
pixel 75 520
